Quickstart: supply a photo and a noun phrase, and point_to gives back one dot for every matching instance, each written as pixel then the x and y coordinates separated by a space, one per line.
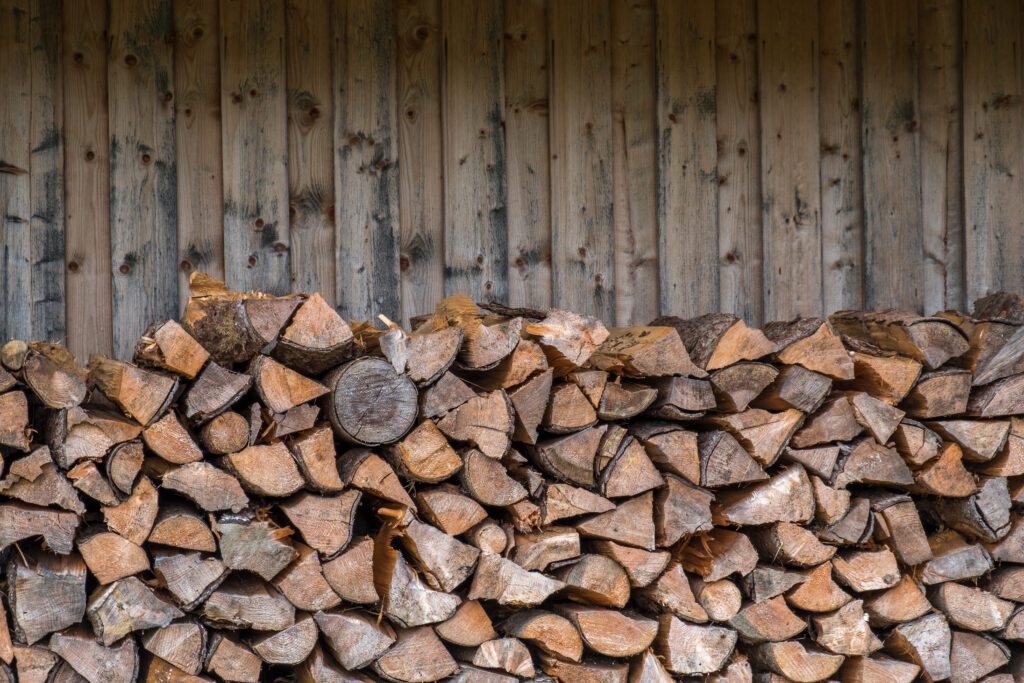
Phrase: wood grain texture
pixel 310 146
pixel 46 141
pixel 86 179
pixel 421 171
pixel 942 156
pixel 893 255
pixel 143 179
pixel 992 146
pixel 634 148
pixel 788 64
pixel 475 211
pixel 739 162
pixel 582 264
pixel 198 136
pixel 687 158
pixel 366 162
pixel 842 197
pixel 254 142
pixel 526 142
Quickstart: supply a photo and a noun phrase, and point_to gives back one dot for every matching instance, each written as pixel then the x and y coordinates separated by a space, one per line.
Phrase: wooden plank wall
pixel 624 158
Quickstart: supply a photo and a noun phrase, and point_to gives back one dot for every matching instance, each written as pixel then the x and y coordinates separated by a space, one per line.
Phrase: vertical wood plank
pixel 788 62
pixel 842 197
pixel 420 174
pixel 941 154
pixel 739 165
pixel 15 169
pixel 635 154
pixel 583 277
pixel 198 141
pixel 86 178
pixel 254 142
pixel 526 138
pixel 311 146
pixel 475 211
pixel 687 157
pixel 893 255
pixel 47 144
pixel 993 142
pixel 366 173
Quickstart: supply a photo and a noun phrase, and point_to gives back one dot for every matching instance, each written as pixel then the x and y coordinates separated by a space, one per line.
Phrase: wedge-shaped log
pixel 610 632
pixel 189 577
pixel 325 522
pixel 786 497
pixel 796 661
pixel 549 632
pixel 690 649
pixel 254 546
pixel 768 621
pixel 509 584
pixel 46 594
pixel 125 606
pixel 812 343
pixel 925 642
pixel 418 655
pixel 355 639
pixel 94 662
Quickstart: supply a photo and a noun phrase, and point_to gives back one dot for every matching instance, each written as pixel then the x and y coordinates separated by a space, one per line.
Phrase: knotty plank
pixel 893 258
pixel 526 138
pixel 842 197
pixel 197 139
pixel 635 155
pixel 582 265
pixel 366 170
pixel 46 141
pixel 310 146
pixel 15 169
pixel 788 63
pixel 687 158
pixel 739 165
pixel 475 211
pixel 993 140
pixel 86 178
pixel 254 142
pixel 420 175
pixel 143 196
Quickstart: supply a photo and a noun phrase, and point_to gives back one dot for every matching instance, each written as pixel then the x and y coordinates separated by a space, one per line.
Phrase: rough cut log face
pixel 507 493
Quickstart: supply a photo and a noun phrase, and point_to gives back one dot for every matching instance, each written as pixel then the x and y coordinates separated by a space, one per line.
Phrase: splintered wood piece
pixel 368 472
pixel 941 393
pixel 298 419
pixel 670 448
pixel 484 422
pixel 535 550
pixel 52 374
pixel 550 633
pixel 812 343
pixel 430 354
pixel 791 545
pixel 509 584
pixel 469 626
pixel 46 593
pixel 596 580
pixel 408 602
pixel 448 393
pixel 767 581
pixel 316 338
pixel 355 639
pixel 630 472
pixel 265 470
pixel 290 646
pixel 507 654
pixel 572 457
pixel 720 599
pixel 35 479
pixel 216 390
pixel 142 394
pixel 124 464
pixel 878 417
pixel 680 509
pixel 981 440
pixel 325 522
pixel 182 644
pixel 447 508
pixel 641 566
pixel 562 501
pixel 248 603
pixel 717 554
pixel 568 339
pixel 931 341
pixel 846 631
pixel 370 404
pixel 768 621
pixel 762 433
pixel 127 605
pixel 529 402
pixel 971 608
pixel 446 562
pixel 796 661
pixel 168 346
pixel 232 661
pixel 631 523
pixel 866 570
pixel 954 559
pixel 834 421
pixel 818 592
pixel 168 438
pixel 281 388
pixel 134 517
pixel 786 497
pixel 254 546
pixel 226 433
pixel 188 577
pixel 568 410
pixel 887 378
pixel 974 655
pixel 830 505
pixel 925 642
pixel 95 662
pixel 181 527
pixel 613 633
pixel 487 481
pixel 690 649
pixel 314 453
pixel 984 515
pixel 723 461
pixel 682 398
pixel 898 523
pixel 350 574
pixel 795 387
pixel 716 340
pixel 946 475
pixel 737 385
pixel 14 427
pixel 111 557
pixel 424 455
pixel 303 583
pixel 624 401
pixel 19 521
pixel 418 655
pixel 655 351
pixel 671 592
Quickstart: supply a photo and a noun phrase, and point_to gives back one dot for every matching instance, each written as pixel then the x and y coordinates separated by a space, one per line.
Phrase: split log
pixel 94 662
pixel 536 550
pixel 14 431
pixel 355 639
pixel 246 603
pixel 791 545
pixel 866 570
pixel 939 394
pixel 487 481
pixel 595 580
pixel 408 602
pixel 717 340
pixel 188 577
pixel 925 642
pixel 954 559
pixel 290 646
pixel 568 410
pixel 350 574
pixel 182 644
pixel 721 599
pixel 766 581
pixel 795 387
pixel 216 390
pixel 724 462
pixel 529 402
pixel 624 401
pixel 265 470
pixel 424 455
pixel 571 458
pixel 671 593
pixel 124 464
pixel 641 566
pixel 168 346
pixel 125 606
pixel 325 522
pixel 484 422
pixel 509 584
pixel 612 633
pixel 903 602
pixel 562 501
pixel 46 594
pixel 549 632
pixel 997 399
pixel 682 398
pixel 507 654
pixel 630 523
pixel 680 509
pixel 254 546
pixel 818 592
pixel 134 517
pixel 142 394
pixel 35 479
pixel 52 374
pixel 111 557
pixel 604 671
pixel 812 343
pixel 931 341
pixel 670 448
pixel 468 627
pixel 971 608
pixel 303 582
pixel 846 631
pixel 897 523
pixel 974 655
pixel 431 354
pixel 655 351
pixel 232 661
pixel 418 655
pixel 690 649
pixel 737 385
pixel 314 453
pixel 768 621
pixel 984 515
pixel 796 661
pixel 168 438
pixel 448 393
pixel 946 474
pixel 179 526
pixel 445 562
pixel 717 554
pixel 786 497
pixel 834 421
pixel 316 338
pixel 886 377
pixel 763 434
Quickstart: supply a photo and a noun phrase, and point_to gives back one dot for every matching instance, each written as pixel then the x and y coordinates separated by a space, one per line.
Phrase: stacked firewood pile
pixel 504 494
